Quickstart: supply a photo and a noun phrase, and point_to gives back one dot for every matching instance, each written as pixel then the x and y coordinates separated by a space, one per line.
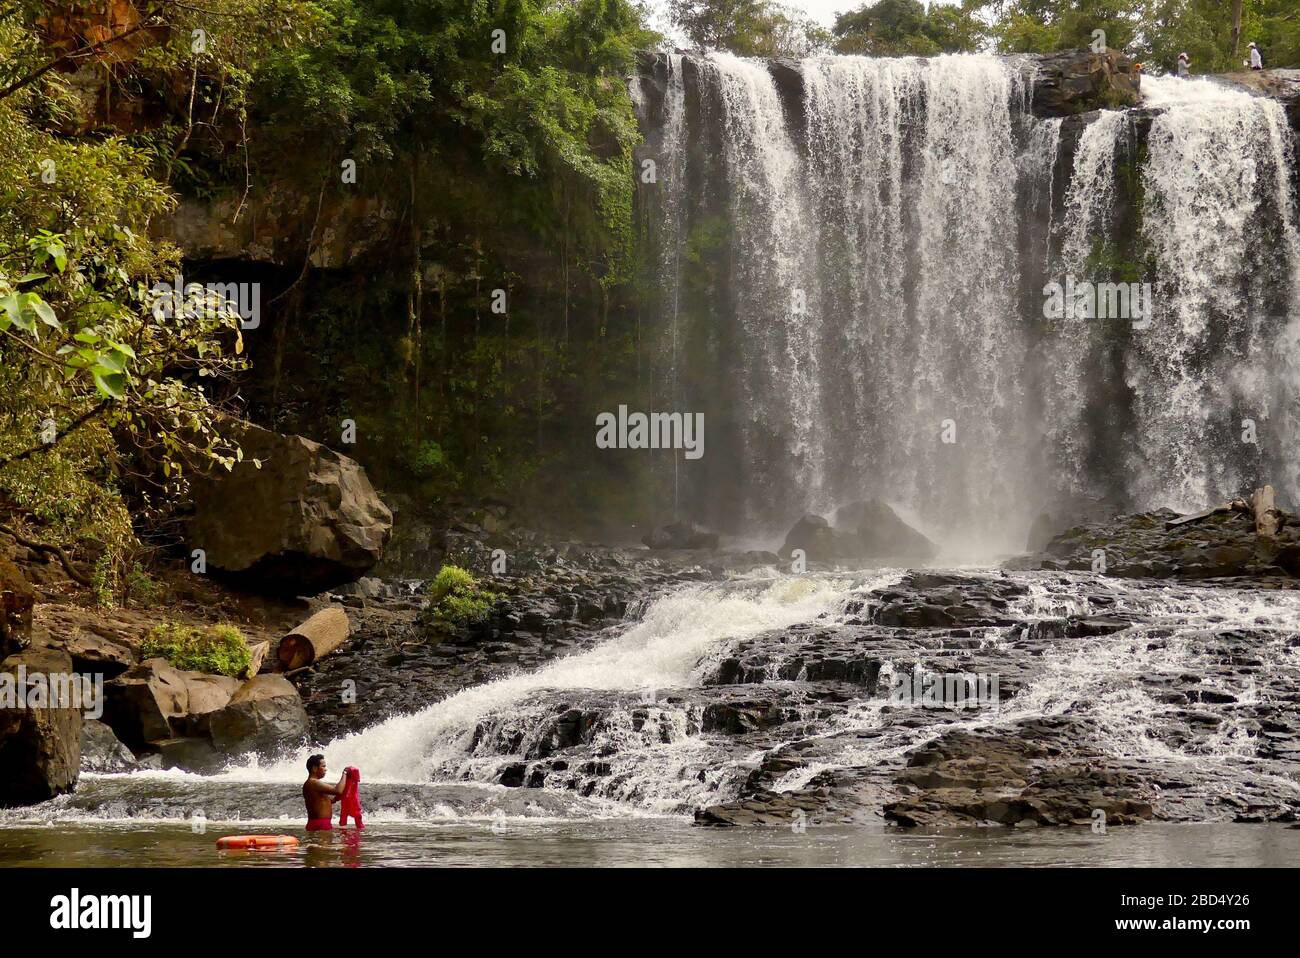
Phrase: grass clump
pixel 456 598
pixel 218 649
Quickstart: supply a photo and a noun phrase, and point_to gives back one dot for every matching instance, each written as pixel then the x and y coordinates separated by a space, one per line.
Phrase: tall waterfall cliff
pixel 890 234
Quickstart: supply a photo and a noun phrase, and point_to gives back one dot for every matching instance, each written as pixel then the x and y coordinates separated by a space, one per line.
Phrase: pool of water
pixel 645 842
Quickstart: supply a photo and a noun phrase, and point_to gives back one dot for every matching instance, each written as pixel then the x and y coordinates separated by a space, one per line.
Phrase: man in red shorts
pixel 320 796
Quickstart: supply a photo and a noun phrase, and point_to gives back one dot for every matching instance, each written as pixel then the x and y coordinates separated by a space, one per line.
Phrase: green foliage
pixel 1152 31
pixel 904 27
pixel 95 379
pixel 217 649
pixel 456 598
pixel 750 28
pixel 104 581
pixel 139 587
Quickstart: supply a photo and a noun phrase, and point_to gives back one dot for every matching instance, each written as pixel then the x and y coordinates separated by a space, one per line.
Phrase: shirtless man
pixel 320 796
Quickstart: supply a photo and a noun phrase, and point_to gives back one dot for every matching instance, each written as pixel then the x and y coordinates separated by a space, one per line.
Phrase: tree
pixel 904 27
pixel 755 28
pixel 100 380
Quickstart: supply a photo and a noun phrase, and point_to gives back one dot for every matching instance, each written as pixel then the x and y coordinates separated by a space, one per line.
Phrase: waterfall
pixel 878 236
pixel 775 284
pixel 1089 207
pixel 1219 222
pixel 872 245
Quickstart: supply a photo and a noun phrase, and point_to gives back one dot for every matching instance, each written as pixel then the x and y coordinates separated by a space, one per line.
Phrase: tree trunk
pixel 314 639
pixel 1268 520
pixel 1236 30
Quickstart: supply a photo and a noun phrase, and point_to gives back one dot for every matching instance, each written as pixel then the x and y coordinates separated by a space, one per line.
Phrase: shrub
pixel 455 598
pixel 140 588
pixel 220 649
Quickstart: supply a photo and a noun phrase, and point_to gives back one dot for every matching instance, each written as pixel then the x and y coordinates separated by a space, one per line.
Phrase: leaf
pixel 32 277
pixel 112 385
pixel 42 309
pixel 111 363
pixel 13 310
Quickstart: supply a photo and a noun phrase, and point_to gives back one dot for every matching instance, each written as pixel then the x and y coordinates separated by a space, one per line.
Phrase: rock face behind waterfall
pixel 867 532
pixel 306 521
pixel 1077 81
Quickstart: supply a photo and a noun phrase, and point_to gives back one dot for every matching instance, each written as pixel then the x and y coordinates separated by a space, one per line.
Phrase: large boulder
pixel 681 535
pixel 190 754
pixel 40 748
pixel 153 702
pixel 208 695
pixel 266 714
pixel 101 751
pixel 306 521
pixel 143 701
pixel 880 534
pixel 868 532
pixel 814 535
pixel 16 601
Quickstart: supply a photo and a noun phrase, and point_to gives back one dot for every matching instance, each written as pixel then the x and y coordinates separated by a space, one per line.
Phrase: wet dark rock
pixel 1077 81
pixel 101 751
pixel 17 599
pixel 798 726
pixel 880 534
pixel 1139 546
pixel 190 754
pixel 927 601
pixel 40 747
pixel 557 599
pixel 867 532
pixel 681 535
pixel 1007 779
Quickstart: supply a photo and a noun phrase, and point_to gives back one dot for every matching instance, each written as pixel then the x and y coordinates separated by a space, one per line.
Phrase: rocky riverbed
pixel 722 686
pixel 1117 702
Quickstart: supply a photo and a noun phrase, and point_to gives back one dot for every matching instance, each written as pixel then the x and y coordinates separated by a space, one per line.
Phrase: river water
pixel 652 842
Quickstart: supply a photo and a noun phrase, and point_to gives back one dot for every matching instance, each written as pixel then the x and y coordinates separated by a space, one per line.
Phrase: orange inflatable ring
pixel 242 842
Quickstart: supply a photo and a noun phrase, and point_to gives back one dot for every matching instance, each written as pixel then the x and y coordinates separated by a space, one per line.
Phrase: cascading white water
pixel 1219 219
pixel 663 650
pixel 892 208
pixel 912 170
pixel 776 294
pixel 1088 209
pixel 879 230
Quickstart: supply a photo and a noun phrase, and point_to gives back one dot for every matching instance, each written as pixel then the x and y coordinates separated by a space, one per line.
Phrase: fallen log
pixel 257 653
pixel 1261 508
pixel 1198 516
pixel 314 639
pixel 1268 518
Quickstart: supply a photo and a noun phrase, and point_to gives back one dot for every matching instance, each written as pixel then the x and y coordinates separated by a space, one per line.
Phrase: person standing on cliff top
pixel 1256 61
pixel 1184 65
pixel 320 796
